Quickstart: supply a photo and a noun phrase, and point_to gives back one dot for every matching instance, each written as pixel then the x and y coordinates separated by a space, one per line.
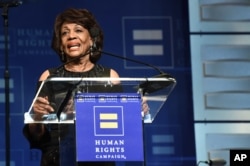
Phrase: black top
pixel 96 71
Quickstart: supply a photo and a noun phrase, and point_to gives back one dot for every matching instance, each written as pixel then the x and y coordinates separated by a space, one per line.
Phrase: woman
pixel 73 42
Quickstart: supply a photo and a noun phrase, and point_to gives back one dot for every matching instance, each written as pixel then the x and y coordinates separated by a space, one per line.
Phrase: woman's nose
pixel 71 35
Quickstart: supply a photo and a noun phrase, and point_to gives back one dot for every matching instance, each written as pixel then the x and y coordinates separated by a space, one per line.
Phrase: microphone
pixel 153 86
pixel 146 87
pixel 10 4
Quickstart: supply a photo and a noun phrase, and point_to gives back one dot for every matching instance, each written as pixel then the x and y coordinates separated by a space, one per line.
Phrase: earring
pixel 91 50
pixel 63 58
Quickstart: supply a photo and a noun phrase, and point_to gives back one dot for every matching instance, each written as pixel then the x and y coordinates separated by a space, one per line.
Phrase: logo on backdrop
pixel 32 41
pixel 147 38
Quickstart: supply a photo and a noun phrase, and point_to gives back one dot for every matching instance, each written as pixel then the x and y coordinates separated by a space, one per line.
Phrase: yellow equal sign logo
pixel 108 121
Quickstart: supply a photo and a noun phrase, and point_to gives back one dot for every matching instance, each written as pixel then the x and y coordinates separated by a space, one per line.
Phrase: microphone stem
pixel 132 60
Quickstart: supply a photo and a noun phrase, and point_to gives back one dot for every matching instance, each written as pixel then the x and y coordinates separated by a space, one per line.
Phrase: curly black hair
pixel 81 17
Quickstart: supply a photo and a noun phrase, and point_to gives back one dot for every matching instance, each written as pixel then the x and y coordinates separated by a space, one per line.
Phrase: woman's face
pixel 75 39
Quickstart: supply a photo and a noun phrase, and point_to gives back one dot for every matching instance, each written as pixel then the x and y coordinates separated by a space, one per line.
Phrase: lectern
pixel 101 119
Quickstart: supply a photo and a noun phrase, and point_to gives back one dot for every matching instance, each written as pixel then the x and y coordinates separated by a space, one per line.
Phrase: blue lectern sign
pixel 109 127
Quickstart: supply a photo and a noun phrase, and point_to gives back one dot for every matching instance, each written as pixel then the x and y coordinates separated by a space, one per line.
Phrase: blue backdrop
pixel 170 139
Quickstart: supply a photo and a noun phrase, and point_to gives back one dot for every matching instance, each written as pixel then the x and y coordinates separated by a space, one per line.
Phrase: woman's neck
pixel 79 66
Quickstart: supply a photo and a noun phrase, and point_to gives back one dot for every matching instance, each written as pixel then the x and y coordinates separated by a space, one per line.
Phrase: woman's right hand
pixel 42 106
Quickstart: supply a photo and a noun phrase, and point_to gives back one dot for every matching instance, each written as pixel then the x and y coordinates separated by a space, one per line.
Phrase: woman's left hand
pixel 145 107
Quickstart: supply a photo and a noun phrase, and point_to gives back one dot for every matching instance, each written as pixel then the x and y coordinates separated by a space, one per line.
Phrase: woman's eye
pixel 78 30
pixel 64 33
